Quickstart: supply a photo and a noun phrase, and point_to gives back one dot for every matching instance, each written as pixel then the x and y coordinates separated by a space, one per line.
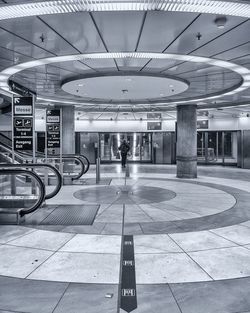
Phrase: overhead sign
pixel 53 128
pixel 22 120
pixel 202 124
pixel 21 90
pixel 154 125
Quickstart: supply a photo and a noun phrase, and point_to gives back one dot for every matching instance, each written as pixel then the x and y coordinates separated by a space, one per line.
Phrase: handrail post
pixel 98 162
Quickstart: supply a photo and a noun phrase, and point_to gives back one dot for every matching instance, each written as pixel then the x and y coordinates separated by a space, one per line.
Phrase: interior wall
pixel 242 123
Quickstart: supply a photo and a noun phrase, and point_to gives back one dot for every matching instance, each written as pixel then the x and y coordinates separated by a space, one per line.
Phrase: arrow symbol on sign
pixel 16 100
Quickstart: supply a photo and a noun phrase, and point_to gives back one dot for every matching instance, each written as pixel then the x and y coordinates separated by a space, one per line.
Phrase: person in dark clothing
pixel 124 149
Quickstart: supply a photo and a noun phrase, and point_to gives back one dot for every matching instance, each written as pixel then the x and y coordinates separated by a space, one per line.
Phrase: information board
pixel 22 119
pixel 53 131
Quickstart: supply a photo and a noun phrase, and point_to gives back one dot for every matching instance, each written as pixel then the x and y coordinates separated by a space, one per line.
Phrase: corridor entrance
pixel 140 146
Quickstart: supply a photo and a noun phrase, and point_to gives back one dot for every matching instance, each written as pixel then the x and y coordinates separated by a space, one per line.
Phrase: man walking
pixel 124 148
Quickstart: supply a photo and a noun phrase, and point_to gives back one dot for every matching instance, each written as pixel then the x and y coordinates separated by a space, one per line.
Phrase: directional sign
pixel 23 106
pixel 23 127
pixel 53 119
pixel 23 144
pixel 22 123
pixel 53 116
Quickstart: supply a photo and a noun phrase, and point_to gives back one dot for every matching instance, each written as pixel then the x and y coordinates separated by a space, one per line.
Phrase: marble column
pixel 68 130
pixel 186 145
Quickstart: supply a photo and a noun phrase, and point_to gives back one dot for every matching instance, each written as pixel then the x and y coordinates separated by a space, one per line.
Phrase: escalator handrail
pixel 37 165
pixel 82 157
pixel 40 154
pixel 55 157
pixel 82 171
pixel 64 157
pixel 40 200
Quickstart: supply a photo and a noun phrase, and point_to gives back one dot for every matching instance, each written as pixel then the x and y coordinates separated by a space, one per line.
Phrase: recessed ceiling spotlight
pixel 80 85
pixel 220 21
pixel 171 86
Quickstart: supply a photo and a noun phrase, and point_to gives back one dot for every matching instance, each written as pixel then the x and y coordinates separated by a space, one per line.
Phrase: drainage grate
pixel 72 215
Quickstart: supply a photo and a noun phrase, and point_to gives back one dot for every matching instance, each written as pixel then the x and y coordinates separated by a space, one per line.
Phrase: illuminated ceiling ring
pixel 220 7
pixel 244 72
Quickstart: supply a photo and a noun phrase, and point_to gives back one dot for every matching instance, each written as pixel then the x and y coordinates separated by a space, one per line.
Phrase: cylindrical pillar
pixel 186 145
pixel 68 130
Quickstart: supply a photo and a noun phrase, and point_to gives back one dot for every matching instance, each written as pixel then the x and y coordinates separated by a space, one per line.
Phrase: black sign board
pixel 23 144
pixel 23 127
pixel 19 89
pixel 22 123
pixel 153 115
pixel 23 106
pixel 154 125
pixel 202 124
pixel 53 119
pixel 53 116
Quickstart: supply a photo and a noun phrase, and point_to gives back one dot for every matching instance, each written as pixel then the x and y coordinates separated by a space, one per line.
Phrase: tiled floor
pixel 191 244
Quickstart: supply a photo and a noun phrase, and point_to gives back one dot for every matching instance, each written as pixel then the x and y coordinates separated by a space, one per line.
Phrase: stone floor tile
pixel 237 233
pixel 167 268
pixel 42 239
pixel 19 261
pixel 224 263
pixel 154 244
pixel 10 232
pixel 202 240
pixel 28 296
pixel 155 298
pixel 80 268
pixel 89 298
pixel 228 296
pixel 93 244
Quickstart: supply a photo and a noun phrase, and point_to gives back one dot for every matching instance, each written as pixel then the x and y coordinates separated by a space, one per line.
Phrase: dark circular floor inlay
pixel 125 194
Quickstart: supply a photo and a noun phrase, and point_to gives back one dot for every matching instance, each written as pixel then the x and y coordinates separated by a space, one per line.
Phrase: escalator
pixel 22 192
pixel 71 171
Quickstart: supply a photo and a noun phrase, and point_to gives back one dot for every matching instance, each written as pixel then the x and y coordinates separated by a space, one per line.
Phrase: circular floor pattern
pixel 125 194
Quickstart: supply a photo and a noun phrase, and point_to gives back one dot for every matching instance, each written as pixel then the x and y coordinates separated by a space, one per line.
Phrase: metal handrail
pixel 82 171
pixel 38 165
pixel 65 157
pixel 23 211
pixel 40 154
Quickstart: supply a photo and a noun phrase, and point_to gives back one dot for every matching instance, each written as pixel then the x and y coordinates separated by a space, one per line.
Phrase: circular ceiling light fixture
pixel 220 22
pixel 220 7
pixel 239 69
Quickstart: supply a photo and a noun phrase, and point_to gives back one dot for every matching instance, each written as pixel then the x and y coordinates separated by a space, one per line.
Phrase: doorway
pixel 140 146
pixel 217 147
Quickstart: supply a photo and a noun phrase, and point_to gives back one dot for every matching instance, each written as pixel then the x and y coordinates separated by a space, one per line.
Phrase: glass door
pixel 140 146
pixel 217 147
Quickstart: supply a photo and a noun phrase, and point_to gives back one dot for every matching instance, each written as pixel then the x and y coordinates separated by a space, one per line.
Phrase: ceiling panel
pixel 119 30
pixel 236 52
pixel 204 25
pixel 35 31
pixel 78 29
pixel 235 37
pixel 17 44
pixel 161 28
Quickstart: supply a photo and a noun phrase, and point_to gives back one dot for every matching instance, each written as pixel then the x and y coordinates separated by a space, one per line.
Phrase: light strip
pixel 242 71
pixel 234 8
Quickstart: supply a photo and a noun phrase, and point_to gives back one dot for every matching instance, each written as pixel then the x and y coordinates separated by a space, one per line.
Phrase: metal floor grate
pixel 72 215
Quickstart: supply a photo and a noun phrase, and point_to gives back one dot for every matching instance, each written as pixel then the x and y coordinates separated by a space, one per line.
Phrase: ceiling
pixel 32 38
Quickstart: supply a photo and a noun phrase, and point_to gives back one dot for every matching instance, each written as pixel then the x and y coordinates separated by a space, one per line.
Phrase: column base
pixel 186 169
